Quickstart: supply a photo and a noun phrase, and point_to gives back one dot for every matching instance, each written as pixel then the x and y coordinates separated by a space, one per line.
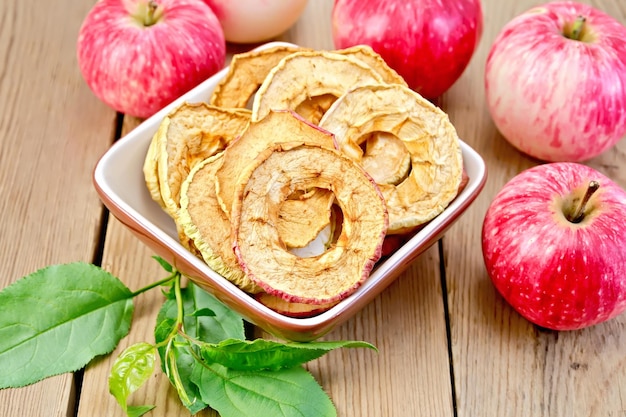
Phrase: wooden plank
pixel 127 258
pixel 503 365
pixel 131 261
pixel 52 131
pixel 409 375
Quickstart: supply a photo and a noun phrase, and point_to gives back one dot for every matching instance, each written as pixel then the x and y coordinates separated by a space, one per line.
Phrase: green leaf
pixel 289 392
pixel 164 264
pixel 203 312
pixel 138 410
pixel 223 324
pixel 177 360
pixel 58 319
pixel 266 354
pixel 129 372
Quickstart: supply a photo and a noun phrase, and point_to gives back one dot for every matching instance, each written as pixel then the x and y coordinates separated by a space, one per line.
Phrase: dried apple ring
pixel 206 224
pixel 246 73
pixel 303 216
pixel 305 75
pixel 286 308
pixel 429 137
pixel 386 158
pixel 366 54
pixel 277 127
pixel 151 167
pixel 192 133
pixel 338 271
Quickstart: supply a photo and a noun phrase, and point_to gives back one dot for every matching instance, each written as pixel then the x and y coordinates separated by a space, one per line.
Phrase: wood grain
pixel 52 131
pixel 410 375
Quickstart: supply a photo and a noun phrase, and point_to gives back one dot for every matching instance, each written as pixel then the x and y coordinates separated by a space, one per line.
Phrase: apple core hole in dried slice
pixel 385 157
pixel 326 238
pixel 303 216
pixel 313 108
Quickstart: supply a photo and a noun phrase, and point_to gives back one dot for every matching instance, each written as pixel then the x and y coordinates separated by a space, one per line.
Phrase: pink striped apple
pixel 555 82
pixel 553 244
pixel 428 42
pixel 139 55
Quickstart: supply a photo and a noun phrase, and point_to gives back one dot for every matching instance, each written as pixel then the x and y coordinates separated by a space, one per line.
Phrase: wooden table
pixel 449 345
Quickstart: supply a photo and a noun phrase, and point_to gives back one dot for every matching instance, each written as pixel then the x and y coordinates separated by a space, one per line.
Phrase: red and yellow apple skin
pixel 138 60
pixel 557 273
pixel 428 42
pixel 553 97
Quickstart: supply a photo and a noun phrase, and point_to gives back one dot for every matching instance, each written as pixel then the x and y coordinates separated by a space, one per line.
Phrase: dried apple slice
pixel 246 73
pixel 193 133
pixel 429 137
pixel 206 224
pixel 366 54
pixel 305 75
pixel 150 165
pixel 289 309
pixel 303 216
pixel 386 158
pixel 338 271
pixel 277 127
pixel 313 108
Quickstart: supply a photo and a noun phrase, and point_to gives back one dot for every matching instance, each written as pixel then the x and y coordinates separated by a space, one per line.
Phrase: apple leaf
pixel 260 354
pixel 289 392
pixel 138 410
pixel 212 322
pixel 129 372
pixel 164 264
pixel 59 318
pixel 203 312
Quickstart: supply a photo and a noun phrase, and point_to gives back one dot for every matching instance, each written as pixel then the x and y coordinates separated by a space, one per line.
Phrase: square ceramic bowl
pixel 118 179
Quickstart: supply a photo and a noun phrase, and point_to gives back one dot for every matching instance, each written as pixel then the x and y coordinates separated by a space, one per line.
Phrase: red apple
pixel 250 21
pixel 553 243
pixel 555 82
pixel 139 55
pixel 428 42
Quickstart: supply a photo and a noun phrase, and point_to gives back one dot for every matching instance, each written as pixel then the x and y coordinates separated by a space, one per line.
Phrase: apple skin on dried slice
pixel 331 276
pixel 431 140
pixel 204 222
pixel 246 73
pixel 303 76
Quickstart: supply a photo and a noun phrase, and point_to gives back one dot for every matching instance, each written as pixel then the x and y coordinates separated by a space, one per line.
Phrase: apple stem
pixel 579 214
pixel 150 15
pixel 577 28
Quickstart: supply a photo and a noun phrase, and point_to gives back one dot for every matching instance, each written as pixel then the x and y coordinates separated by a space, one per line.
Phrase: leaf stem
pixel 158 283
pixel 180 313
pixel 178 325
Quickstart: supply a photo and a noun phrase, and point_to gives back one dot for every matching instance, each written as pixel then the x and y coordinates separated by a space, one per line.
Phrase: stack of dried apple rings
pixel 300 167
